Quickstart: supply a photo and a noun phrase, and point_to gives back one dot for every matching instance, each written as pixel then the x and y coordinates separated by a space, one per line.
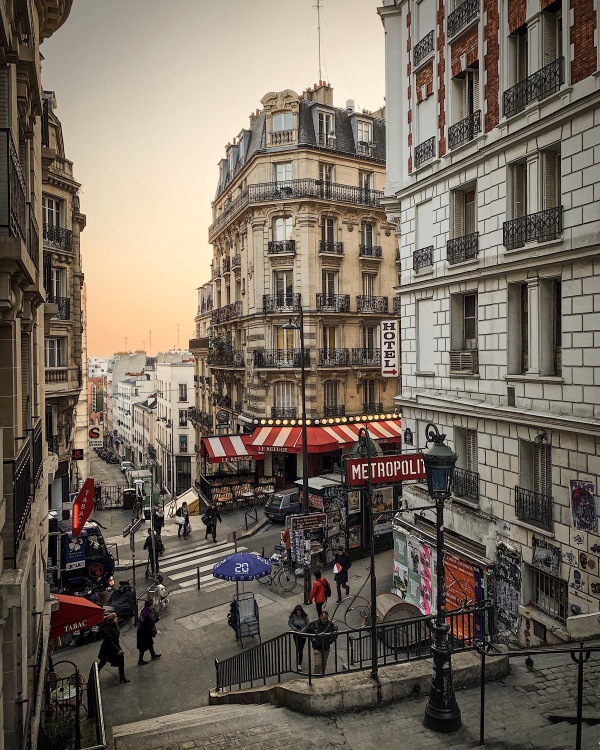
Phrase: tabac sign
pixel 386 469
pixel 390 344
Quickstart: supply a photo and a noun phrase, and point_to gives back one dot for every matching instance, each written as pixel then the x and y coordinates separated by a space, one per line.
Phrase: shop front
pixel 231 471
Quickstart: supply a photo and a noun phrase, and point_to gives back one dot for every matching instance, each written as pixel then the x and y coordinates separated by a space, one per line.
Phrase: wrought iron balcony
pixel 283 412
pixel 334 411
pixel 397 305
pixel 334 248
pixel 369 251
pixel 13 206
pixel 466 12
pixel 534 508
pixel 58 237
pixel 36 453
pixel 465 130
pixel 283 246
pixel 372 407
pixel 423 257
pixel 276 303
pixel 425 151
pixel 541 227
pixel 226 265
pixel 216 273
pixel 33 238
pixel 462 248
pixel 280 358
pixel 22 497
pixel 366 357
pixel 64 307
pixel 226 313
pixel 236 261
pixel 328 141
pixel 423 48
pixel 334 357
pixel 464 362
pixel 53 444
pixel 364 148
pixel 339 303
pixel 226 358
pixel 371 304
pixel 534 88
pixel 279 137
pixel 465 483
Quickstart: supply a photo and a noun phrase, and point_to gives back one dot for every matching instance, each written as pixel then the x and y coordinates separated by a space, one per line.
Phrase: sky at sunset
pixel 149 92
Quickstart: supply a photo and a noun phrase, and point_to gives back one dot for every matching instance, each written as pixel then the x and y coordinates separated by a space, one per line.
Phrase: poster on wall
pixel 546 556
pixel 414 572
pixel 353 502
pixel 383 505
pixel 508 590
pixel 583 505
pixel 354 541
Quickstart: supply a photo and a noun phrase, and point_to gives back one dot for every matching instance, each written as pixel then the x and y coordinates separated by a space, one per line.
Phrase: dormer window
pixel 364 131
pixel 326 133
pixel 282 121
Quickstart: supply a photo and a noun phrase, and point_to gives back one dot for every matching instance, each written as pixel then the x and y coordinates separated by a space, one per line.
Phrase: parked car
pixel 283 504
pixel 126 466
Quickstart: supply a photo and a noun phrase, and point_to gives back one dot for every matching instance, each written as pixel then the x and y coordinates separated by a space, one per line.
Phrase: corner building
pixel 493 183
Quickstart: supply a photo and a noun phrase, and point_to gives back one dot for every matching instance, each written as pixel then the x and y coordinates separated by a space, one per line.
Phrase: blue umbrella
pixel 242 566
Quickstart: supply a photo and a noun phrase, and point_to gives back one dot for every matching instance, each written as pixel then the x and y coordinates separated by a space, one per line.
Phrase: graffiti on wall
pixel 546 556
pixel 508 589
pixel 583 505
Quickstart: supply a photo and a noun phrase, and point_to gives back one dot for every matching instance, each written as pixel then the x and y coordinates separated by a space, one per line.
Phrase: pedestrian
pixel 154 546
pixel 158 521
pixel 185 526
pixel 146 631
pixel 286 540
pixel 341 564
pixel 212 515
pixel 325 633
pixel 321 590
pixel 110 650
pixel 298 621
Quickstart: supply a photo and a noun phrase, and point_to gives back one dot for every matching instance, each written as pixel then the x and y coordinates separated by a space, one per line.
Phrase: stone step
pixel 553 737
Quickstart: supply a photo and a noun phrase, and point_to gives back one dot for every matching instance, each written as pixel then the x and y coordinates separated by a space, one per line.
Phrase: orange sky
pixel 149 92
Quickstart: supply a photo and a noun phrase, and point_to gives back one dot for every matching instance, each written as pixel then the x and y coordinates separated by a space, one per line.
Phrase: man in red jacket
pixel 318 592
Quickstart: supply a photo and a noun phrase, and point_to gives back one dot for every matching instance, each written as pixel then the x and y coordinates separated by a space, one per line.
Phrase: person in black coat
pixel 211 516
pixel 154 550
pixel 183 512
pixel 146 631
pixel 158 521
pixel 110 650
pixel 343 562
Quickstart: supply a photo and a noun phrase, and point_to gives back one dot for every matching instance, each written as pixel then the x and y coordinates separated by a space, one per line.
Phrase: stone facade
pixel 500 292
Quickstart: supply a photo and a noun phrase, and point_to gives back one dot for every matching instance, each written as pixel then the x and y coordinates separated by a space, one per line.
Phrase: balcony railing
pixel 226 359
pixel 13 206
pixel 58 237
pixel 53 442
pixel 302 188
pixel 279 137
pixel 339 303
pixel 64 307
pixel 328 141
pixel 465 483
pixel 534 508
pixel 366 149
pixel 226 265
pixel 22 496
pixel 372 407
pixel 462 248
pixel 423 257
pixel 37 464
pixel 541 227
pixel 534 88
pixel 465 130
pixel 397 305
pixel 423 48
pixel 216 273
pixel 199 343
pixel 366 357
pixel 334 248
pixel 424 151
pixel 282 246
pixel 57 375
pixel 334 411
pixel 280 358
pixel 466 12
pixel 465 362
pixel 334 357
pixel 283 412
pixel 369 251
pixel 371 304
pixel 276 303
pixel 236 261
pixel 228 312
pixel 33 238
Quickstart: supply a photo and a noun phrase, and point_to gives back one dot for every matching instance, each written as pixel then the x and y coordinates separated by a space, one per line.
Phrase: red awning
pixel 229 448
pixel 322 438
pixel 74 613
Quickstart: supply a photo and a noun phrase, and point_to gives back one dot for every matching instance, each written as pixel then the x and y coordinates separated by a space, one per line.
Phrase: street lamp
pixel 442 713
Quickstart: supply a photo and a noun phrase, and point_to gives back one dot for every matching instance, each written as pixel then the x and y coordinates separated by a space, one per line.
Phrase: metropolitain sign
pixel 386 469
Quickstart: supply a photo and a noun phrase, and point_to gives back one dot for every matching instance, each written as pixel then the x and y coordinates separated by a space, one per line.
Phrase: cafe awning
pixel 229 448
pixel 74 613
pixel 322 438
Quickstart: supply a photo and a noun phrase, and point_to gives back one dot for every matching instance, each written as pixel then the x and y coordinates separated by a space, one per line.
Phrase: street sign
pixel 136 526
pixel 312 522
pixel 82 506
pixel 132 542
pixel 77 454
pixel 386 469
pixel 127 530
pixel 234 535
pixel 95 436
pixel 390 344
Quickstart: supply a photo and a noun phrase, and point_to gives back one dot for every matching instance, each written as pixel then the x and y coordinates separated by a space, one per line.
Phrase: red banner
pixel 386 469
pixel 83 506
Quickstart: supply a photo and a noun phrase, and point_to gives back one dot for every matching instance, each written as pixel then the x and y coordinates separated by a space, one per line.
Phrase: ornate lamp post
pixel 442 713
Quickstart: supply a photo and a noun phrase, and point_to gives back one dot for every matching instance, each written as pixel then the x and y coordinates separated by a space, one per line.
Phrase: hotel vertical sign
pixel 390 344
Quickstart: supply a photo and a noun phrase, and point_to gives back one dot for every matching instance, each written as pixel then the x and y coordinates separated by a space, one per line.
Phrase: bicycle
pixel 279 574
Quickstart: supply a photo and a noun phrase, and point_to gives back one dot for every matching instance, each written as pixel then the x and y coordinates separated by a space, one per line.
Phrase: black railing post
pixel 580 660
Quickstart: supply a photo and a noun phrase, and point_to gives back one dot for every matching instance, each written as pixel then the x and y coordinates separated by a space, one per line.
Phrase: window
pixel 329 336
pixel 535 306
pixel 519 43
pixel 282 228
pixel 365 181
pixel 366 234
pixel 330 283
pixel 94 392
pixel 425 225
pixel 550 595
pixel 327 230
pixel 326 126
pixel 283 283
pixel 183 443
pixel 285 395
pixel 330 392
pixel 58 283
pixel 369 339
pixel 282 121
pixel 552 47
pixel 55 352
pixel 368 285
pixel 466 448
pixel 326 173
pixel 283 172
pixel 470 321
pixel 465 94
pixel 369 392
pixel 550 179
pixel 535 467
pixel 283 339
pixel 183 416
pixel 518 186
pixel 465 221
pixel 425 335
pixel 51 211
pixel 463 333
pixel 364 131
pixel 183 396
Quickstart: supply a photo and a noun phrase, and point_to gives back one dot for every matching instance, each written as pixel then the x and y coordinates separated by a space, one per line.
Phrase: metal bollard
pixel 198 576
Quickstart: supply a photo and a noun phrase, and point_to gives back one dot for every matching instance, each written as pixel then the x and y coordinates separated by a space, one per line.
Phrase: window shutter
pixel 471 450
pixel 549 38
pixel 519 190
pixel 542 469
pixel 549 176
pixel 475 90
pixel 459 213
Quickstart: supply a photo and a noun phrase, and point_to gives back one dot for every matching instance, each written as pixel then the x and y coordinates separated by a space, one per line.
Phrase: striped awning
pixel 229 448
pixel 322 438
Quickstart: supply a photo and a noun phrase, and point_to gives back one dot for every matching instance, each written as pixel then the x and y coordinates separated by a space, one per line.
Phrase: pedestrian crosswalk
pixel 182 567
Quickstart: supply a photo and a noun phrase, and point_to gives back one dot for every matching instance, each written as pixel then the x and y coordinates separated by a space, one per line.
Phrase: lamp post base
pixel 442 713
pixel 442 719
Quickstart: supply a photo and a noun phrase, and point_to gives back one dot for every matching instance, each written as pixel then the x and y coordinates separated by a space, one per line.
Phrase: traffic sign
pixel 127 530
pixel 312 522
pixel 135 527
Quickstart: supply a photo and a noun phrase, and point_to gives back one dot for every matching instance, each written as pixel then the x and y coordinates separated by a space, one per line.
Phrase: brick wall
pixel 424 78
pixel 492 51
pixel 441 41
pixel 582 39
pixel 545 3
pixel 517 14
pixel 466 44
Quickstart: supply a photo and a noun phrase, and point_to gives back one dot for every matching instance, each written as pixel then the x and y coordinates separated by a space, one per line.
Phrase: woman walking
pixel 298 621
pixel 146 631
pixel 110 650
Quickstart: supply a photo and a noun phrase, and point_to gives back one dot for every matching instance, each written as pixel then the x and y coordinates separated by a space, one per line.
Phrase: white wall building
pixel 144 423
pixel 130 391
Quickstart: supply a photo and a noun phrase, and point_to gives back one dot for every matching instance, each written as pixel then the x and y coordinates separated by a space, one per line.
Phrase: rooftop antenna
pixel 150 344
pixel 318 6
pixel 177 336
